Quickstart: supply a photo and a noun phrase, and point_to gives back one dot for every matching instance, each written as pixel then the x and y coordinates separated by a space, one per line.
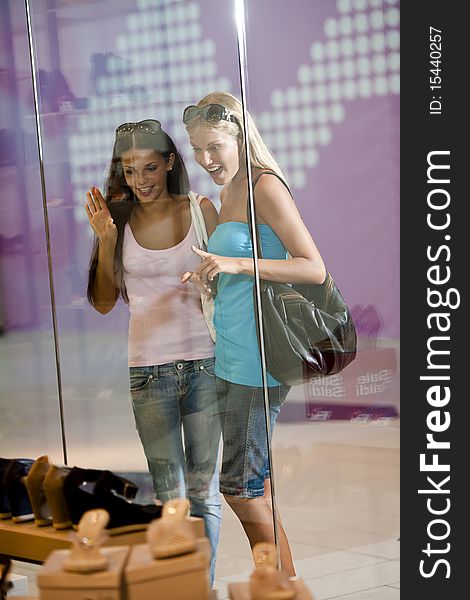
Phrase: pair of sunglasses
pixel 146 126
pixel 212 113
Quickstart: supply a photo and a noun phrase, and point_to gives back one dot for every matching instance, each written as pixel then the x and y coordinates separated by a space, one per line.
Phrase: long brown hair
pixel 121 200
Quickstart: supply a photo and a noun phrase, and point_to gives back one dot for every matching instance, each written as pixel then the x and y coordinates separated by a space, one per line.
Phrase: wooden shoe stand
pixel 241 591
pixel 29 543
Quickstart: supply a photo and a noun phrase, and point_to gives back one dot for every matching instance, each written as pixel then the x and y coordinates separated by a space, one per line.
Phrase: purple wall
pixel 339 145
pixel 350 197
pixel 324 91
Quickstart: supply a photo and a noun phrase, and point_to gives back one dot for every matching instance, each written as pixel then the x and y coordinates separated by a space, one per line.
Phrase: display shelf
pixel 29 543
pixel 213 597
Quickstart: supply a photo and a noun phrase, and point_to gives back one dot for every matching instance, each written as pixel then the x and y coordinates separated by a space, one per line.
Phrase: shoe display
pixel 85 555
pixel 15 488
pixel 53 485
pixel 172 534
pixel 107 480
pixel 35 487
pixel 5 511
pixel 89 489
pixel 266 581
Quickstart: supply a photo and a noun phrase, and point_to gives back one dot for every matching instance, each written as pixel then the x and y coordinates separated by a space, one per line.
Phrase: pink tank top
pixel 166 321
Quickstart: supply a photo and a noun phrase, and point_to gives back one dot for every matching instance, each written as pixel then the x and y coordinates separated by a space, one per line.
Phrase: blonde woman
pixel 215 131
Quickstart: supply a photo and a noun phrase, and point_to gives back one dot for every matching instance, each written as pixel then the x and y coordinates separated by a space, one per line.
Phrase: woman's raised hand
pixel 99 216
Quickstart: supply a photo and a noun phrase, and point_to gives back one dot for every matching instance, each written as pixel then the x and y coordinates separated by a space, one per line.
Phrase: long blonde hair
pixel 260 155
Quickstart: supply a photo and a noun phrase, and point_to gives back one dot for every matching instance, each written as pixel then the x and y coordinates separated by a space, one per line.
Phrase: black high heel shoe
pixel 5 510
pixel 88 489
pixel 14 483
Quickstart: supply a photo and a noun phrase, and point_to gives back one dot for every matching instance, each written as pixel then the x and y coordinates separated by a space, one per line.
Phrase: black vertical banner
pixel 435 325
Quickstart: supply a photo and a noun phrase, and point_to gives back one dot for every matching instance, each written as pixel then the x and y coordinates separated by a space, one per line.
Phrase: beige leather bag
pixel 201 234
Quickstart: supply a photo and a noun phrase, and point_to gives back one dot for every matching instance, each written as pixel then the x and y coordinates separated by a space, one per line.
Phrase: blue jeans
pixel 176 415
pixel 245 450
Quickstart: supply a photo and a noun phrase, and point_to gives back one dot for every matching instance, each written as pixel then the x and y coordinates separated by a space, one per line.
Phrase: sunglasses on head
pixel 212 113
pixel 146 126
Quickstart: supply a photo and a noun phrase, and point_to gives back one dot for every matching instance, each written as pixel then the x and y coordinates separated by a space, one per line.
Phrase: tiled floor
pixel 337 488
pixel 337 482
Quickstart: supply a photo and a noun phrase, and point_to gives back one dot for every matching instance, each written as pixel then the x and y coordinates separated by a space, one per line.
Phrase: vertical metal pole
pixel 242 63
pixel 32 54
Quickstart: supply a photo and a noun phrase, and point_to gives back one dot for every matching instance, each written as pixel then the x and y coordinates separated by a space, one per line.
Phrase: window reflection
pixel 327 106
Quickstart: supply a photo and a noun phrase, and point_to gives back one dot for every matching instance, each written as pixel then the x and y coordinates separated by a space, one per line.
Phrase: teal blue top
pixel 237 357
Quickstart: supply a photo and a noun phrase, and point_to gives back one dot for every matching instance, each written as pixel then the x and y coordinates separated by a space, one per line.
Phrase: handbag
pixel 207 302
pixel 308 329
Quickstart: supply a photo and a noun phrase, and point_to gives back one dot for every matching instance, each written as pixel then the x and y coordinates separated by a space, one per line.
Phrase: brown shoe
pixel 53 489
pixel 35 487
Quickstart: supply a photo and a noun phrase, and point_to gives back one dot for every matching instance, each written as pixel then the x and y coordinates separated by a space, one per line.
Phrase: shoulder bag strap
pixel 198 221
pixel 248 214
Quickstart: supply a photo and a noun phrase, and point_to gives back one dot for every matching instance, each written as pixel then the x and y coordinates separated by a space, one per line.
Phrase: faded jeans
pixel 176 415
